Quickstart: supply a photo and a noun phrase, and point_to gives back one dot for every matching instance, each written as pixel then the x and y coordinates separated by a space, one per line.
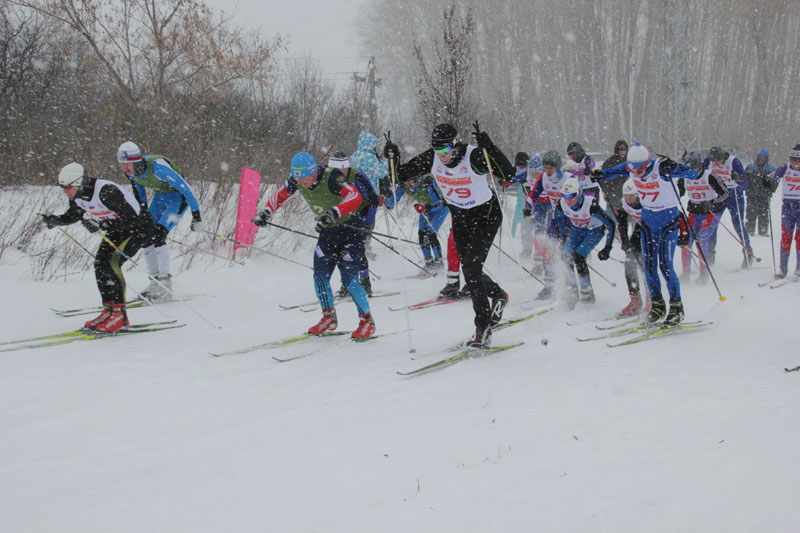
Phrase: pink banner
pixel 248 205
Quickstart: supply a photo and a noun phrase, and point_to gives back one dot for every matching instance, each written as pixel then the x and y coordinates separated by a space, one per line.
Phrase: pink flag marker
pixel 248 204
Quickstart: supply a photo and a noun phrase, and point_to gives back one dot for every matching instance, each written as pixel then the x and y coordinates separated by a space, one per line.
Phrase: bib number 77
pixel 653 195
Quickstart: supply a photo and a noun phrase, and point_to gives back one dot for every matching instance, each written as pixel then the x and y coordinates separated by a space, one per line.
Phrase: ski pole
pixel 493 186
pixel 771 239
pixel 719 220
pixel 262 250
pixel 207 252
pixel 153 278
pixel 694 238
pixel 531 274
pixel 138 294
pixel 393 172
pixel 612 283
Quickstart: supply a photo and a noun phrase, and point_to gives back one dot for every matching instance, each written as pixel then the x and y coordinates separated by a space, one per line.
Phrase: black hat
pixel 521 159
pixel 576 152
pixel 694 160
pixel 443 135
pixel 620 145
pixel 716 154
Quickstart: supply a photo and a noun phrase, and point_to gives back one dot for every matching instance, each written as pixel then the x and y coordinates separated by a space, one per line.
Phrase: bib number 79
pixel 461 192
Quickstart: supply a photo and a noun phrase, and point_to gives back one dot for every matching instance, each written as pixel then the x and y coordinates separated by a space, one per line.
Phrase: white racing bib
pixel 700 190
pixel 791 184
pixel 97 209
pixel 724 172
pixel 461 186
pixel 655 194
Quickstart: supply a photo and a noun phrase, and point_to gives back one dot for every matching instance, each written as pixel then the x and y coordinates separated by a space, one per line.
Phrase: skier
pixel 340 208
pixel 122 220
pixel 612 189
pixel 660 223
pixel 432 214
pixel 707 198
pixel 631 209
pixel 758 196
pixel 790 209
pixel 171 196
pixel 366 159
pixel 462 173
pixel 585 220
pixel 542 202
pixel 730 170
pixel 585 164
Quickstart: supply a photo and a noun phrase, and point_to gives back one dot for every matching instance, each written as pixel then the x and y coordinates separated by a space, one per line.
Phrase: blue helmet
pixel 303 165
pixel 638 158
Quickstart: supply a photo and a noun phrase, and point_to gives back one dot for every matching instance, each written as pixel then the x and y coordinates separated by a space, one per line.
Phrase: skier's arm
pixel 139 192
pixel 622 224
pixel 598 212
pixel 164 172
pixel 398 193
pixel 277 198
pixel 70 216
pixel 351 196
pixel 112 197
pixel 501 166
pixel 536 192
pixel 611 172
pixel 416 166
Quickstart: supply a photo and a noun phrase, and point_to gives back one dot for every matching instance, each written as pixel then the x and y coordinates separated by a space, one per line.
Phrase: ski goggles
pixel 636 166
pixel 443 151
pixel 569 194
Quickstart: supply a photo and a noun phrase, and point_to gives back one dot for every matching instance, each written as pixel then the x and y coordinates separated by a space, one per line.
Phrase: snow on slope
pixel 696 432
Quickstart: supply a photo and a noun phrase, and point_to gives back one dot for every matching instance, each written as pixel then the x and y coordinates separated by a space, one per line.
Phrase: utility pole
pixel 681 127
pixel 371 83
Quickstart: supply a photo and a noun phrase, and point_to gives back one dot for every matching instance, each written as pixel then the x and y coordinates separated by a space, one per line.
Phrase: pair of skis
pixel 312 306
pixel 130 304
pixel 280 343
pixel 643 331
pixel 67 337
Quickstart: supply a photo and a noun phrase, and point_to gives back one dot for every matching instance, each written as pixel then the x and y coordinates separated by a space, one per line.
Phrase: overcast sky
pixel 321 28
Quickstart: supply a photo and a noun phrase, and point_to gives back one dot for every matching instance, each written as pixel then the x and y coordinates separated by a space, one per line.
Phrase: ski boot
pixel 586 295
pixel 633 308
pixel 327 323
pixel 781 274
pixel 546 293
pixel 116 321
pixel 342 293
pixel 571 298
pixel 749 258
pixel 366 327
pixel 464 292
pixel 482 338
pixel 99 319
pixel 159 289
pixel 367 284
pixel 675 314
pixel 450 290
pixel 658 310
pixel 498 305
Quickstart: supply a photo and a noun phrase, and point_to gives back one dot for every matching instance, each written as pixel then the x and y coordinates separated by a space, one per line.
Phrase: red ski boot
pixel 634 307
pixel 327 323
pixel 99 319
pixel 116 321
pixel 366 327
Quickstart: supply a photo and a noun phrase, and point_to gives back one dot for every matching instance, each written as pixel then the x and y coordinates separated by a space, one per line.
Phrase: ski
pixel 92 335
pixel 623 331
pixel 795 369
pixel 131 304
pixel 75 333
pixel 280 342
pixel 336 299
pixel 439 300
pixel 663 330
pixel 505 324
pixel 307 354
pixel 461 356
pixel 783 282
pixel 625 322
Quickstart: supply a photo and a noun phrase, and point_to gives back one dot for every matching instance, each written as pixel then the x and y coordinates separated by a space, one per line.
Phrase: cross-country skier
pixel 612 189
pixel 585 164
pixel 462 173
pixel 730 170
pixel 171 196
pixel 432 211
pixel 708 196
pixel 581 222
pixel 631 210
pixel 340 208
pixel 366 159
pixel 122 220
pixel 660 223
pixel 758 196
pixel 790 209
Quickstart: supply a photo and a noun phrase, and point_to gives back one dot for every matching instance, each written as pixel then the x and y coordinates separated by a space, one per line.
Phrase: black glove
pixel 595 175
pixel 527 211
pixel 391 151
pixel 683 239
pixel 262 219
pixel 482 139
pixel 197 222
pixel 668 165
pixel 604 254
pixel 51 221
pixel 92 225
pixel 326 219
pixel 767 183
pixel 717 207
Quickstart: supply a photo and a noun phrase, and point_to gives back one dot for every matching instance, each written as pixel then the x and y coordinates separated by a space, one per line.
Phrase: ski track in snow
pixel 694 432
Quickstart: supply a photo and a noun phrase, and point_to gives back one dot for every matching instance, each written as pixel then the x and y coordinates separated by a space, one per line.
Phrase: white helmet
pixel 638 157
pixel 128 152
pixel 571 187
pixel 629 187
pixel 71 175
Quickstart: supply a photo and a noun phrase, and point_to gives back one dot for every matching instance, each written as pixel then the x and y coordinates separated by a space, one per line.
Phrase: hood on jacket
pixel 762 153
pixel 367 141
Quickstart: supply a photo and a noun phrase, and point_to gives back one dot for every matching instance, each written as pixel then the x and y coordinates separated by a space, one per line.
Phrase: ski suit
pixel 708 196
pixel 732 174
pixel 790 212
pixel 758 196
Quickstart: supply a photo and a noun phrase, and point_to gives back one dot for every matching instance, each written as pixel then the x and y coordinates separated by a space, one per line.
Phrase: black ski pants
pixel 108 262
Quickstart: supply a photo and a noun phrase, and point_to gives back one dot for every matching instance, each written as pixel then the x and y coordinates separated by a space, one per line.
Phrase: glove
pixel 381 200
pixel 604 254
pixel 483 140
pixel 683 239
pixel 391 151
pixel 420 208
pixel 527 211
pixel 51 221
pixel 262 218
pixel 766 182
pixel 668 165
pixel 506 183
pixel 717 207
pixel 93 225
pixel 326 219
pixel 197 222
pixel 595 175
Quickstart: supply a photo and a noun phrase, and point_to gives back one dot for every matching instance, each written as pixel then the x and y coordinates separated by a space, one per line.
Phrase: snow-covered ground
pixel 697 432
